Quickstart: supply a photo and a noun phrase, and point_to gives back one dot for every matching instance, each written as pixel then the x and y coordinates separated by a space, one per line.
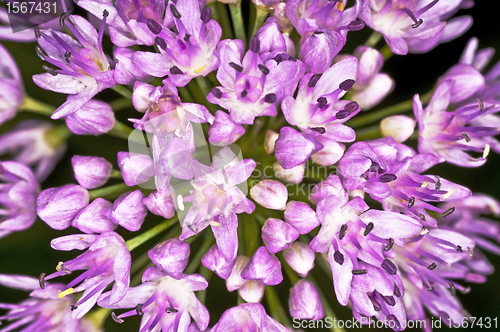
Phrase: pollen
pixel 215 224
pixel 200 69
pixel 425 184
pixel 180 202
pixel 340 6
pixel 448 194
pixel 59 266
pixel 486 151
pixel 66 292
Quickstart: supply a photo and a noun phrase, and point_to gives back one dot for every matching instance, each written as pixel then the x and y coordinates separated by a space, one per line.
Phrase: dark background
pixel 29 252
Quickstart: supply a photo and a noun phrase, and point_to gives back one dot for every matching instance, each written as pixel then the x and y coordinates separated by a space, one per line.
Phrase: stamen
pixel 389 246
pixel 320 130
pixel 322 101
pixel 389 267
pixel 342 114
pixel 431 288
pixel 481 105
pixel 180 202
pixel 352 106
pixel 466 137
pixel 59 266
pixel 452 289
pixel 432 266
pixel 175 12
pixel 359 272
pixel 424 230
pixel 50 70
pixel 138 309
pixel 346 85
pixel 255 44
pixel 389 300
pixel 73 307
pixel 67 56
pixel 486 151
pixel 216 92
pixel 41 53
pixel 368 228
pixel 444 315
pixel 105 14
pixel 68 291
pixel 466 290
pixel 422 217
pixel 471 251
pixel 411 202
pixel 63 18
pixel 459 248
pixel 206 14
pixel 356 25
pixel 236 67
pixel 36 28
pixel 338 257
pixel 153 26
pixel 397 292
pixel 448 194
pixel 41 280
pixel 171 310
pixel 244 93
pixel 270 98
pixel 200 69
pixel 215 224
pixel 447 212
pixel 437 186
pixel 425 184
pixel 161 42
pixel 116 319
pixel 417 24
pixel 343 230
pixel 176 71
pixel 263 69
pixel 384 178
pixel 186 37
pixel 314 79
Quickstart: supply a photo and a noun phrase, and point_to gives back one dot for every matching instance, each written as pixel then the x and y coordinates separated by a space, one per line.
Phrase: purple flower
pixel 447 135
pixel 43 310
pixel 293 148
pixel 26 142
pixel 415 26
pixel 188 52
pixel 136 168
pixel 163 301
pixel 106 260
pixel 224 131
pixel 318 48
pixel 129 211
pixel 91 172
pixel 93 118
pixel 300 258
pixel 126 72
pixel 219 261
pixel 270 194
pixel 94 218
pixel 11 86
pixel 171 256
pixel 251 85
pixel 18 192
pixel 58 206
pixel 247 316
pixel 320 115
pixel 278 235
pixel 301 216
pixel 391 173
pixel 371 86
pixel 161 203
pixel 304 301
pixel 263 267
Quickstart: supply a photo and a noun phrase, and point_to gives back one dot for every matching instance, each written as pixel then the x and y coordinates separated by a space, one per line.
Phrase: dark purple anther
pixel 343 230
pixel 376 304
pixel 322 101
pixel 417 24
pixel 216 92
pixel 255 44
pixel 244 93
pixel 171 310
pixel 270 98
pixel 317 32
pixel 138 309
pixel 175 71
pixel 314 79
pixel 263 69
pixel 466 137
pixel 105 14
pixel 320 130
pixel 389 300
pixel 50 70
pixel 422 217
pixel 452 289
pixel 41 280
pixel 411 202
pixel 432 266
pixel 153 26
pixel 448 212
pixel 352 106
pixel 63 18
pixel 67 56
pixel 444 315
pixel 206 14
pixel 342 114
pixel 397 292
pixel 161 43
pixel 389 267
pixel 356 25
pixel 175 12
pixel 431 288
pixel 36 28
pixel 278 58
pixel 338 257
pixel 346 85
pixel 384 178
pixel 459 248
pixel 359 272
pixel 236 67
pixel 116 319
pixel 186 37
pixel 389 246
pixel 368 229
pixel 40 52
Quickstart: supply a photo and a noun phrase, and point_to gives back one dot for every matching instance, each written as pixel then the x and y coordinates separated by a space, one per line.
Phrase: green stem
pixel 368 133
pixel 207 274
pixel 123 91
pixel 223 18
pixel 195 262
pixel 98 316
pixel 32 105
pixel 57 135
pixel 185 95
pixel 386 52
pixel 237 18
pixel 260 17
pixel 116 189
pixel 373 116
pixel 121 130
pixel 373 39
pixel 147 235
pixel 116 174
pixel 120 104
pixel 275 307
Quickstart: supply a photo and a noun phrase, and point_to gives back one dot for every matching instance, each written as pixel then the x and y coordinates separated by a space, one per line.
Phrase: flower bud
pixel 263 267
pixel 270 194
pixel 399 127
pixel 171 256
pixel 91 172
pixel 94 118
pixel 94 217
pixel 235 281
pixel 217 262
pixel 318 48
pixel 161 203
pixel 128 211
pixel 278 235
pixel 136 168
pixel 292 148
pixel 58 206
pixel 224 131
pixel 304 301
pixel 301 216
pixel 300 258
pixel 252 291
